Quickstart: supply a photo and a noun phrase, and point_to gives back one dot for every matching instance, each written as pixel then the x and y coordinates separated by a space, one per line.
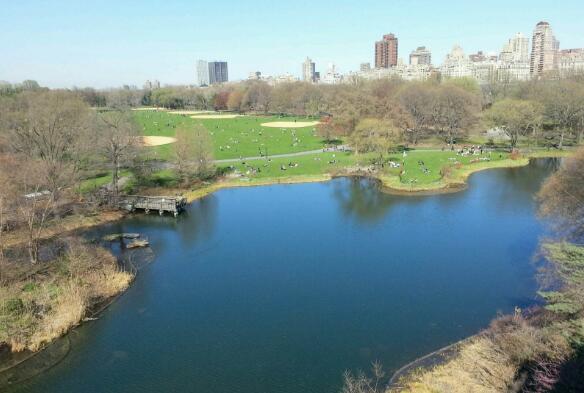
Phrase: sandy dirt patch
pixel 290 124
pixel 157 140
pixel 215 116
pixel 147 109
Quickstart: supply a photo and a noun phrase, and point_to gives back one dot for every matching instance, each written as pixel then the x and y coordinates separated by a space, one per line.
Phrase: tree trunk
pixel 514 139
pixel 33 251
pixel 561 145
pixel 115 175
pixel 534 136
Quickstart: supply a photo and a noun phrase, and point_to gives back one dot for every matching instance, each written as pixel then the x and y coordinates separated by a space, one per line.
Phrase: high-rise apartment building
pixel 421 56
pixel 386 52
pixel 365 67
pixel 218 72
pixel 202 73
pixel 457 64
pixel 544 50
pixel 570 62
pixel 309 71
pixel 148 85
pixel 516 50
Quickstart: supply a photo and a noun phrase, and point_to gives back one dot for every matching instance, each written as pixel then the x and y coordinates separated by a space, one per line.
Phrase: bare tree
pixel 26 193
pixel 202 151
pixel 562 196
pixel 563 106
pixel 4 192
pixel 328 129
pixel 184 153
pixel 123 99
pixel 361 383
pixel 117 139
pixel 51 127
pixel 417 100
pixel 457 111
pixel 234 102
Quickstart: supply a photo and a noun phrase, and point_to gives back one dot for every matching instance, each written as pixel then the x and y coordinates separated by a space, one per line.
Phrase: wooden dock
pixel 162 204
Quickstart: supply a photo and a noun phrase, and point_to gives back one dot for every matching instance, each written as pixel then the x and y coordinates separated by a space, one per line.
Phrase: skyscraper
pixel 202 73
pixel 308 70
pixel 421 56
pixel 218 72
pixel 386 52
pixel 544 50
pixel 516 50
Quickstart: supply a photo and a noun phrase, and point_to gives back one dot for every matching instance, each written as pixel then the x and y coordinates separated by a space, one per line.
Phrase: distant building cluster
pixel 517 61
pixel 272 80
pixel 151 85
pixel 421 56
pixel 212 72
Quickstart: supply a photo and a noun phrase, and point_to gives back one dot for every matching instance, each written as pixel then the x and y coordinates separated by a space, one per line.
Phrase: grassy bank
pixel 41 302
pixel 422 171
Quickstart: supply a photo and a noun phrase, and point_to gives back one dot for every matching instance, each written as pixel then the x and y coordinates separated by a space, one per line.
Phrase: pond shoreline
pixel 458 183
pixel 21 360
pixel 29 356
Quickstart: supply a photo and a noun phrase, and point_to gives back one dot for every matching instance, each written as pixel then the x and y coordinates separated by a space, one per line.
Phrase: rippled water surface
pixel 282 288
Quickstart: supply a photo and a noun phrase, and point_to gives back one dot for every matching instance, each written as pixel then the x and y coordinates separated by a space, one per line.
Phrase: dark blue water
pixel 282 288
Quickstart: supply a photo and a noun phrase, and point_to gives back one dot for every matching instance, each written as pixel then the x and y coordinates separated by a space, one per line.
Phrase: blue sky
pixel 109 43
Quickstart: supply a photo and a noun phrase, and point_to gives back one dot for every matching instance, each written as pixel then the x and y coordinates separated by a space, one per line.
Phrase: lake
pixel 280 289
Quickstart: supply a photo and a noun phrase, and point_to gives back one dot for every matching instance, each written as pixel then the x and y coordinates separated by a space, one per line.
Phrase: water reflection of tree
pixel 510 189
pixel 198 221
pixel 362 199
pixel 527 180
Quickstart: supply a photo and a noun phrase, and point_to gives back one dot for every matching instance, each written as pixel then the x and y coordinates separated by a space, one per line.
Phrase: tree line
pixel 51 139
pixel 547 112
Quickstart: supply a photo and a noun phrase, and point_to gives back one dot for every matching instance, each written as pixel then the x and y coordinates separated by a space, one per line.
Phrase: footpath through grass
pixel 232 138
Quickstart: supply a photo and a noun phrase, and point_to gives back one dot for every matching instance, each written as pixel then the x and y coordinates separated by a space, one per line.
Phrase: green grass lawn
pixel 315 164
pixel 308 165
pixel 433 161
pixel 323 163
pixel 232 138
pixel 92 184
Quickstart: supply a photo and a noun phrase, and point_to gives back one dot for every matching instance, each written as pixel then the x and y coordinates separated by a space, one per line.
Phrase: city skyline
pixel 79 55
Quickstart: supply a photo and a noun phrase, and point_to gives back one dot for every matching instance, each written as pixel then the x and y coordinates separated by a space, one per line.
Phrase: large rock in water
pixel 117 236
pixel 138 243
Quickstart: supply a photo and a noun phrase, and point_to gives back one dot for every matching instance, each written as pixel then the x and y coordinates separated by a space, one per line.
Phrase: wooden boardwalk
pixel 162 204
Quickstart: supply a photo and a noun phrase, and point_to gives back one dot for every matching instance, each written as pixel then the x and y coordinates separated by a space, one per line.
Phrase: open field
pixel 232 138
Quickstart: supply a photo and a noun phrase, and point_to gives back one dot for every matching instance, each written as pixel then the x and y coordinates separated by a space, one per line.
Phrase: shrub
pixel 446 171
pixel 515 155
